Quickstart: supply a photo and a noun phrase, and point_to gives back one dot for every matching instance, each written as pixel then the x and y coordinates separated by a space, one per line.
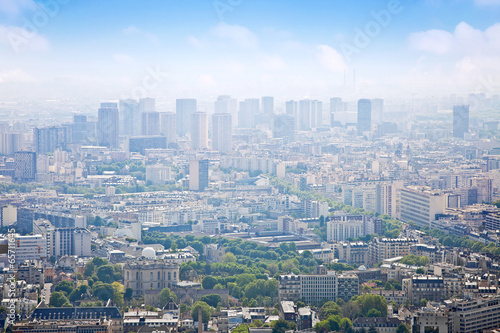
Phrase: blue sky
pixel 247 48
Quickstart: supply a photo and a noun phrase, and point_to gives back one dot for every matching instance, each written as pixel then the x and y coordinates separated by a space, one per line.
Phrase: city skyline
pixel 204 49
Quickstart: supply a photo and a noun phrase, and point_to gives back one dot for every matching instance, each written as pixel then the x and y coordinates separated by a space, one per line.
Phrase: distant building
pixel 283 126
pixel 353 252
pixel 249 109
pixel 148 275
pixel 184 109
pixel 384 248
pixel 342 229
pixel 222 128
pixel 10 143
pixel 268 105
pixel 421 205
pixel 158 174
pixel 460 121
pixel 25 166
pixel 364 116
pixel 199 130
pixel 30 247
pixel 418 288
pixel 108 125
pixel 47 140
pixel 167 127
pixel 150 123
pixel 147 104
pixel 139 144
pixel 198 175
pixel 130 117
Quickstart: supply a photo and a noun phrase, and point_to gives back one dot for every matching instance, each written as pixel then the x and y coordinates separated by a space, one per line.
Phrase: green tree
pixel 420 270
pixel 212 299
pixel 206 311
pixel 65 286
pixel 209 282
pixel 328 309
pixel 164 296
pixel 106 274
pixel 281 326
pixel 129 292
pixel 77 293
pixel 402 328
pixel 58 299
pixel 367 302
pixel 229 257
pixel 103 291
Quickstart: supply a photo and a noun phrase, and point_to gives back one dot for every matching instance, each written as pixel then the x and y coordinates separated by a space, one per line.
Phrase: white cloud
pixel 15 7
pixel 206 81
pixel 196 42
pixel 131 30
pixel 122 59
pixel 273 63
pixel 331 58
pixel 21 40
pixel 16 76
pixel 237 34
pixel 433 41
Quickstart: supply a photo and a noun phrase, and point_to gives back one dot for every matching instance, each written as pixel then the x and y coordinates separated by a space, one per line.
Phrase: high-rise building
pixel 150 123
pixel 108 125
pixel 147 104
pixel 268 104
pixel 130 119
pixel 421 205
pixel 167 126
pixel 198 175
pixel 291 108
pixel 364 116
pixel 80 126
pixel 226 104
pixel 184 109
pixel 283 126
pixel 25 165
pixel 460 121
pixel 47 140
pixel 304 119
pixel 10 143
pixel 222 132
pixel 199 130
pixel 378 110
pixel 249 109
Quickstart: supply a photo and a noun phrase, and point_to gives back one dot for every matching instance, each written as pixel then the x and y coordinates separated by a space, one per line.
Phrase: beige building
pixel 384 248
pixel 142 275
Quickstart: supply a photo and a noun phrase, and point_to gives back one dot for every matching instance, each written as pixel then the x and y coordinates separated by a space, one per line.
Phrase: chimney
pixel 200 317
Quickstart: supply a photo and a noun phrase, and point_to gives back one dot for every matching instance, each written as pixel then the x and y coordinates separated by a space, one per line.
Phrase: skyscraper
pixel 10 143
pixel 364 116
pixel 167 126
pixel 316 114
pixel 198 175
pixel 79 130
pixel 25 165
pixel 249 108
pixel 184 109
pixel 107 125
pixel 268 105
pixel 50 138
pixel 378 110
pixel 304 119
pixel 291 108
pixel 150 123
pixel 222 132
pixel 226 104
pixel 460 121
pixel 147 104
pixel 283 126
pixel 130 118
pixel 199 130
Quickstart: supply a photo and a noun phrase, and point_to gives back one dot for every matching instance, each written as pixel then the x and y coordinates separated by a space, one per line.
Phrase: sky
pixel 102 50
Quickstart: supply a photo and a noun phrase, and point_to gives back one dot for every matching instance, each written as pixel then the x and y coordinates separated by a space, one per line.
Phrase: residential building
pixel 108 125
pixel 183 111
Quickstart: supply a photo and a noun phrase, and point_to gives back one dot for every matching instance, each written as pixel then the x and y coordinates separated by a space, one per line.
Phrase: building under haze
pixel 167 126
pixel 150 123
pixel 226 104
pixel 108 125
pixel 10 143
pixel 147 104
pixel 268 105
pixel 198 175
pixel 48 139
pixel 249 109
pixel 184 108
pixel 283 126
pixel 364 116
pixel 25 166
pixel 460 121
pixel 310 114
pixel 130 117
pixel 199 130
pixel 378 110
pixel 222 128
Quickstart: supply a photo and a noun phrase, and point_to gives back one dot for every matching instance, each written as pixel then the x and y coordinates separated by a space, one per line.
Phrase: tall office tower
pixel 460 121
pixel 147 104
pixel 150 123
pixel 268 105
pixel 222 128
pixel 249 109
pixel 283 126
pixel 226 104
pixel 183 110
pixel 80 126
pixel 107 125
pixel 316 114
pixel 198 175
pixel 304 119
pixel 378 110
pixel 364 116
pixel 167 126
pixel 48 139
pixel 130 118
pixel 199 130
pixel 25 165
pixel 10 143
pixel 291 108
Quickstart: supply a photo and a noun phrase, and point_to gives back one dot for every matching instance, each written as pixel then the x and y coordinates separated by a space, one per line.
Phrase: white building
pixel 8 215
pixel 32 247
pixel 222 132
pixel 421 204
pixel 158 174
pixel 340 230
pixel 199 130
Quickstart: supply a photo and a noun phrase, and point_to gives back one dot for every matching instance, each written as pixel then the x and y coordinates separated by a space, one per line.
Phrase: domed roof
pixel 362 268
pixel 149 253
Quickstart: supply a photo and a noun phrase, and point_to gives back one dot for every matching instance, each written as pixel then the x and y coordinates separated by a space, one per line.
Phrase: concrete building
pixel 364 116
pixel 222 132
pixel 25 166
pixel 108 125
pixel 31 247
pixel 150 123
pixel 198 175
pixel 384 248
pixel 148 275
pixel 342 229
pixel 168 127
pixel 130 117
pixel 424 287
pixel 353 252
pixel 421 205
pixel 474 315
pixel 8 215
pixel 460 121
pixel 199 130
pixel 158 174
pixel 183 111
